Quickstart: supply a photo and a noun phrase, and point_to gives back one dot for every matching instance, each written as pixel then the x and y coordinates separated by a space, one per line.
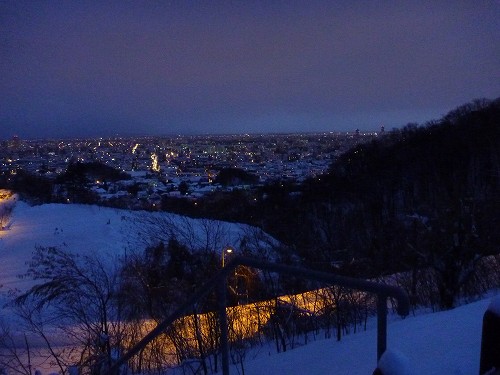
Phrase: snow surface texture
pixel 441 343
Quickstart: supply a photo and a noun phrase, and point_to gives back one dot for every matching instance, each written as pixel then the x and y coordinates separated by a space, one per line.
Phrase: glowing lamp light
pixel 226 252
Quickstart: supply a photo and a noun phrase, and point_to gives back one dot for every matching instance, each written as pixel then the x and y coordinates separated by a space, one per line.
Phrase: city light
pixel 158 165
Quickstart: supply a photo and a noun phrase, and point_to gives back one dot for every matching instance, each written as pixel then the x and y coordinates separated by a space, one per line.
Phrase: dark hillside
pixel 423 171
pixel 422 196
pixel 436 164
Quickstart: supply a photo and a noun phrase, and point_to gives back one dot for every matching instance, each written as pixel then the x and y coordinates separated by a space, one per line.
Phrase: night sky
pixel 105 68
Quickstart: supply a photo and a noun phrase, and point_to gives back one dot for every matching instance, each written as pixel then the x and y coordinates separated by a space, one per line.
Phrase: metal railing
pixel 218 283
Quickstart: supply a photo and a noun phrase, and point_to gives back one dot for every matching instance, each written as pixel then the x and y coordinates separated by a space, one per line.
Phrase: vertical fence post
pixel 490 339
pixel 381 325
pixel 224 339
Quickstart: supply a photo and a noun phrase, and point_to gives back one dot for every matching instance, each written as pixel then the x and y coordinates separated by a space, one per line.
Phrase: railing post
pixel 490 344
pixel 381 325
pixel 224 340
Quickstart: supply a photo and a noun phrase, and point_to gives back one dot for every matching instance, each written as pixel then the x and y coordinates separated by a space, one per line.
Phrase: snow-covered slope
pixel 78 228
pixel 444 343
pixel 87 229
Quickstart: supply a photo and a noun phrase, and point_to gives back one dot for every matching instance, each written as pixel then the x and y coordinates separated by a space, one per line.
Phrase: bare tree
pixel 79 294
pixel 14 357
pixel 197 234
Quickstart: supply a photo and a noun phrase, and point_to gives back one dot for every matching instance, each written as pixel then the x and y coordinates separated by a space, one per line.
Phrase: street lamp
pixel 225 252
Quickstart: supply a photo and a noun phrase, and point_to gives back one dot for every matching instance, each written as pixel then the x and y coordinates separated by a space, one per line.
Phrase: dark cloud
pixel 89 68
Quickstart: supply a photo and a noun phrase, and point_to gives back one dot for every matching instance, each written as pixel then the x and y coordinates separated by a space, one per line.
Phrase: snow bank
pixel 394 362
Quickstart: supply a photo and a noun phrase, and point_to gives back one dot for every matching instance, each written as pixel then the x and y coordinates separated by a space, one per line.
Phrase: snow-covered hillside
pixel 440 343
pixel 87 229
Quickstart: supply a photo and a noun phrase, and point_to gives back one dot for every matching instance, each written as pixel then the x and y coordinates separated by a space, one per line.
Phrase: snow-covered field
pixel 441 343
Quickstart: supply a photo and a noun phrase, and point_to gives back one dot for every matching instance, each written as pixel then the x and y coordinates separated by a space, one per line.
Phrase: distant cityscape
pixel 182 166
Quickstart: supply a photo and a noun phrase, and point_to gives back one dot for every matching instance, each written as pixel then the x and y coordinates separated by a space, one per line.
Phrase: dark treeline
pixel 378 197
